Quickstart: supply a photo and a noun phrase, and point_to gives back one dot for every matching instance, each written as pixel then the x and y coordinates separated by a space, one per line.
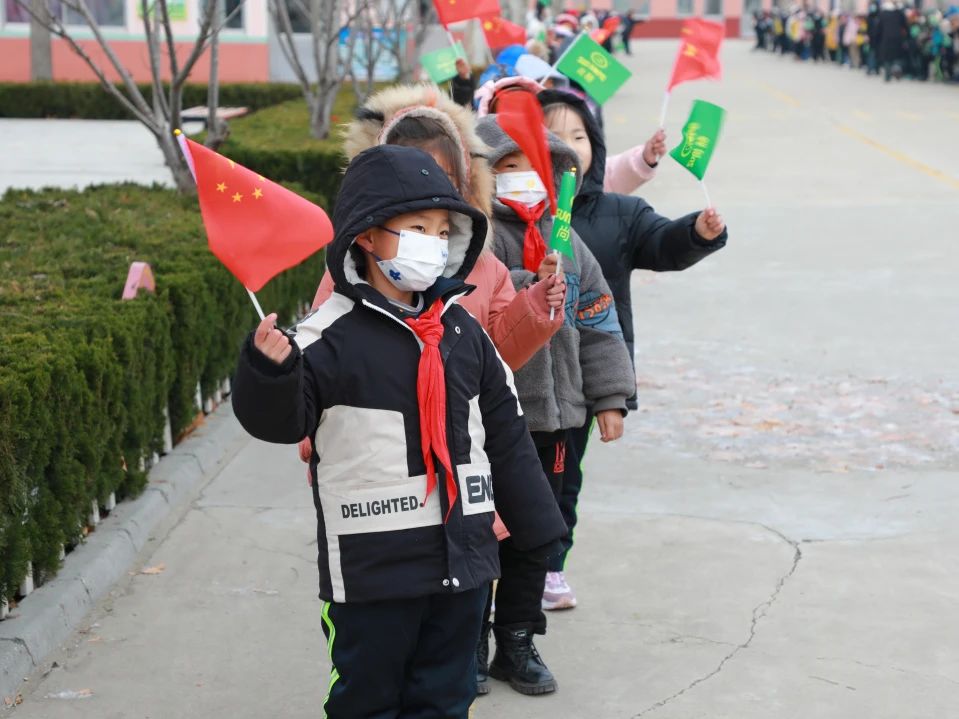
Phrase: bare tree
pixel 41 61
pixel 217 128
pixel 322 78
pixel 366 48
pixel 405 25
pixel 162 114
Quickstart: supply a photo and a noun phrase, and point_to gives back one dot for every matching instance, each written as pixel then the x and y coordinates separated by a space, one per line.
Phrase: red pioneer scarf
pixel 534 247
pixel 431 396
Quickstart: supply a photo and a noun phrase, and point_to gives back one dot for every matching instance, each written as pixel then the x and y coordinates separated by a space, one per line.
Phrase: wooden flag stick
pixel 662 112
pixel 256 303
pixel 559 268
pixel 709 204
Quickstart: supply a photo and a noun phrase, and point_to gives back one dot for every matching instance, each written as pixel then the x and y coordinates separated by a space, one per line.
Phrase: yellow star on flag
pixel 691 50
pixel 488 25
pixel 221 187
pixel 237 197
pixel 257 193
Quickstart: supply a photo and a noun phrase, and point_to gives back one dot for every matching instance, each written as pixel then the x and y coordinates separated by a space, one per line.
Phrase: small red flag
pixel 500 33
pixel 699 52
pixel 611 24
pixel 255 227
pixel 451 11
pixel 520 115
pixel 599 36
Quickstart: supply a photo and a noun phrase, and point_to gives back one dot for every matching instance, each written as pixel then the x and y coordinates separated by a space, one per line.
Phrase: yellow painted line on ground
pixel 862 115
pixel 780 95
pixel 902 157
pixel 909 115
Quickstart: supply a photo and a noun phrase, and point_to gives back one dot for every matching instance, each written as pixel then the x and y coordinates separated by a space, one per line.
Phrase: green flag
pixel 561 239
pixel 440 64
pixel 599 73
pixel 700 134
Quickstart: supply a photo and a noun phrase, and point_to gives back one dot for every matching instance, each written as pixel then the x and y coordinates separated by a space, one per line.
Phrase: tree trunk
pixel 172 155
pixel 217 128
pixel 321 110
pixel 41 60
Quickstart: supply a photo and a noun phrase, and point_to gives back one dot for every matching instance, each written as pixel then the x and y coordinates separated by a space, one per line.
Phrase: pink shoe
pixel 557 594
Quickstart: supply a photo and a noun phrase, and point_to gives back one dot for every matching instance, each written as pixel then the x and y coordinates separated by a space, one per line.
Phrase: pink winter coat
pixel 627 171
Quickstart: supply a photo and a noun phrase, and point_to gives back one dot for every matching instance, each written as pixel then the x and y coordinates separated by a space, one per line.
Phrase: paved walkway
pixel 774 538
pixel 77 153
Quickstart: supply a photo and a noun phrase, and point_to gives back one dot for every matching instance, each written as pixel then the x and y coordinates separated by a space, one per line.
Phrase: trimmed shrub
pixel 84 376
pixel 89 101
pixel 276 142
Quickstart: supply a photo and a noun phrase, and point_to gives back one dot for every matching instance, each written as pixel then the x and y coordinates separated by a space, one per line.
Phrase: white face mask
pixel 525 187
pixel 419 260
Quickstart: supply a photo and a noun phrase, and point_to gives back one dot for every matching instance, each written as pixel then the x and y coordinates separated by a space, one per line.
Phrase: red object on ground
pixel 699 52
pixel 451 11
pixel 520 115
pixel 500 33
pixel 254 226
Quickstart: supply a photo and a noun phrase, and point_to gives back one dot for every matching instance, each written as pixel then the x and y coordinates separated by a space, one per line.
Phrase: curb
pixel 54 611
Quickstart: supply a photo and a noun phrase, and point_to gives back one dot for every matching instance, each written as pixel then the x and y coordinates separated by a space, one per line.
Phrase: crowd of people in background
pixel 892 39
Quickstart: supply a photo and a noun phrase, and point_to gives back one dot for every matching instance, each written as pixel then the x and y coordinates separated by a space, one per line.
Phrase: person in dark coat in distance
pixel 624 234
pixel 891 37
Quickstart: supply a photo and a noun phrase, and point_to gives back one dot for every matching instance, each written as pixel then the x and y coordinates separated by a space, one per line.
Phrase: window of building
pixel 230 10
pixel 106 13
pixel 714 7
pixel 13 12
pixel 684 7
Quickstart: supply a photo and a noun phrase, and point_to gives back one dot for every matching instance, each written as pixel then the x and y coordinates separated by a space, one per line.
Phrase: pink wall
pixel 239 62
pixel 660 27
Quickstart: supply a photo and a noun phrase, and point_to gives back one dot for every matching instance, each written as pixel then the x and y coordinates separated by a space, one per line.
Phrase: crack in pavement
pixel 759 612
pixel 18 640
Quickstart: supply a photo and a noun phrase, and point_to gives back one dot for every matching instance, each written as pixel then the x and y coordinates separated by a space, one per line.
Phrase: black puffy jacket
pixel 622 231
pixel 350 384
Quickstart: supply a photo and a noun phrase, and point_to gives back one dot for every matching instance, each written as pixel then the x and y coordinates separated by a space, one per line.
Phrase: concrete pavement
pixel 77 153
pixel 774 537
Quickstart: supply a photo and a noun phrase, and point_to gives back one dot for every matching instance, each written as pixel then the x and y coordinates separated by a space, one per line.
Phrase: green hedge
pixel 276 142
pixel 89 101
pixel 84 376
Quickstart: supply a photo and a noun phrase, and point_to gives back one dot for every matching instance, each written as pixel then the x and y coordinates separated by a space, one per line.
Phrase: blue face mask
pixel 420 259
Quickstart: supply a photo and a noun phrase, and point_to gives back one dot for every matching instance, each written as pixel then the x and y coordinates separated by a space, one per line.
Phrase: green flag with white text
pixel 598 72
pixel 440 64
pixel 700 134
pixel 561 238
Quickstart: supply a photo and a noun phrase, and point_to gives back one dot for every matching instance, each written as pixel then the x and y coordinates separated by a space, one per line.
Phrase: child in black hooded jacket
pixel 624 234
pixel 415 426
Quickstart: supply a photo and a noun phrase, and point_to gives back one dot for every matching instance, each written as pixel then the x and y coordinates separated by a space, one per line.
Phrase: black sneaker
pixel 517 662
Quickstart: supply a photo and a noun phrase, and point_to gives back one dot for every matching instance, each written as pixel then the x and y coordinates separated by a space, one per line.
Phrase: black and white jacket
pixel 350 383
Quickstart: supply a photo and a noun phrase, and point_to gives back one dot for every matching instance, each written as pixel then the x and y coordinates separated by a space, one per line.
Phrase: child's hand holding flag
pixel 710 224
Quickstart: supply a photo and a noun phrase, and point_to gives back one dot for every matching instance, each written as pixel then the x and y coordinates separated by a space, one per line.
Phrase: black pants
pixel 404 658
pixel 570 488
pixel 519 592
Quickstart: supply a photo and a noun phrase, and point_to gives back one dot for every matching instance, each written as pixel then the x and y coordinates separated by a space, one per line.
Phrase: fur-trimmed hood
pixel 386 107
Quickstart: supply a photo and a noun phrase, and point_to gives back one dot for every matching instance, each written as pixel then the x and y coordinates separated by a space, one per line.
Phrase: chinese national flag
pixel 255 227
pixel 520 116
pixel 451 11
pixel 500 33
pixel 699 52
